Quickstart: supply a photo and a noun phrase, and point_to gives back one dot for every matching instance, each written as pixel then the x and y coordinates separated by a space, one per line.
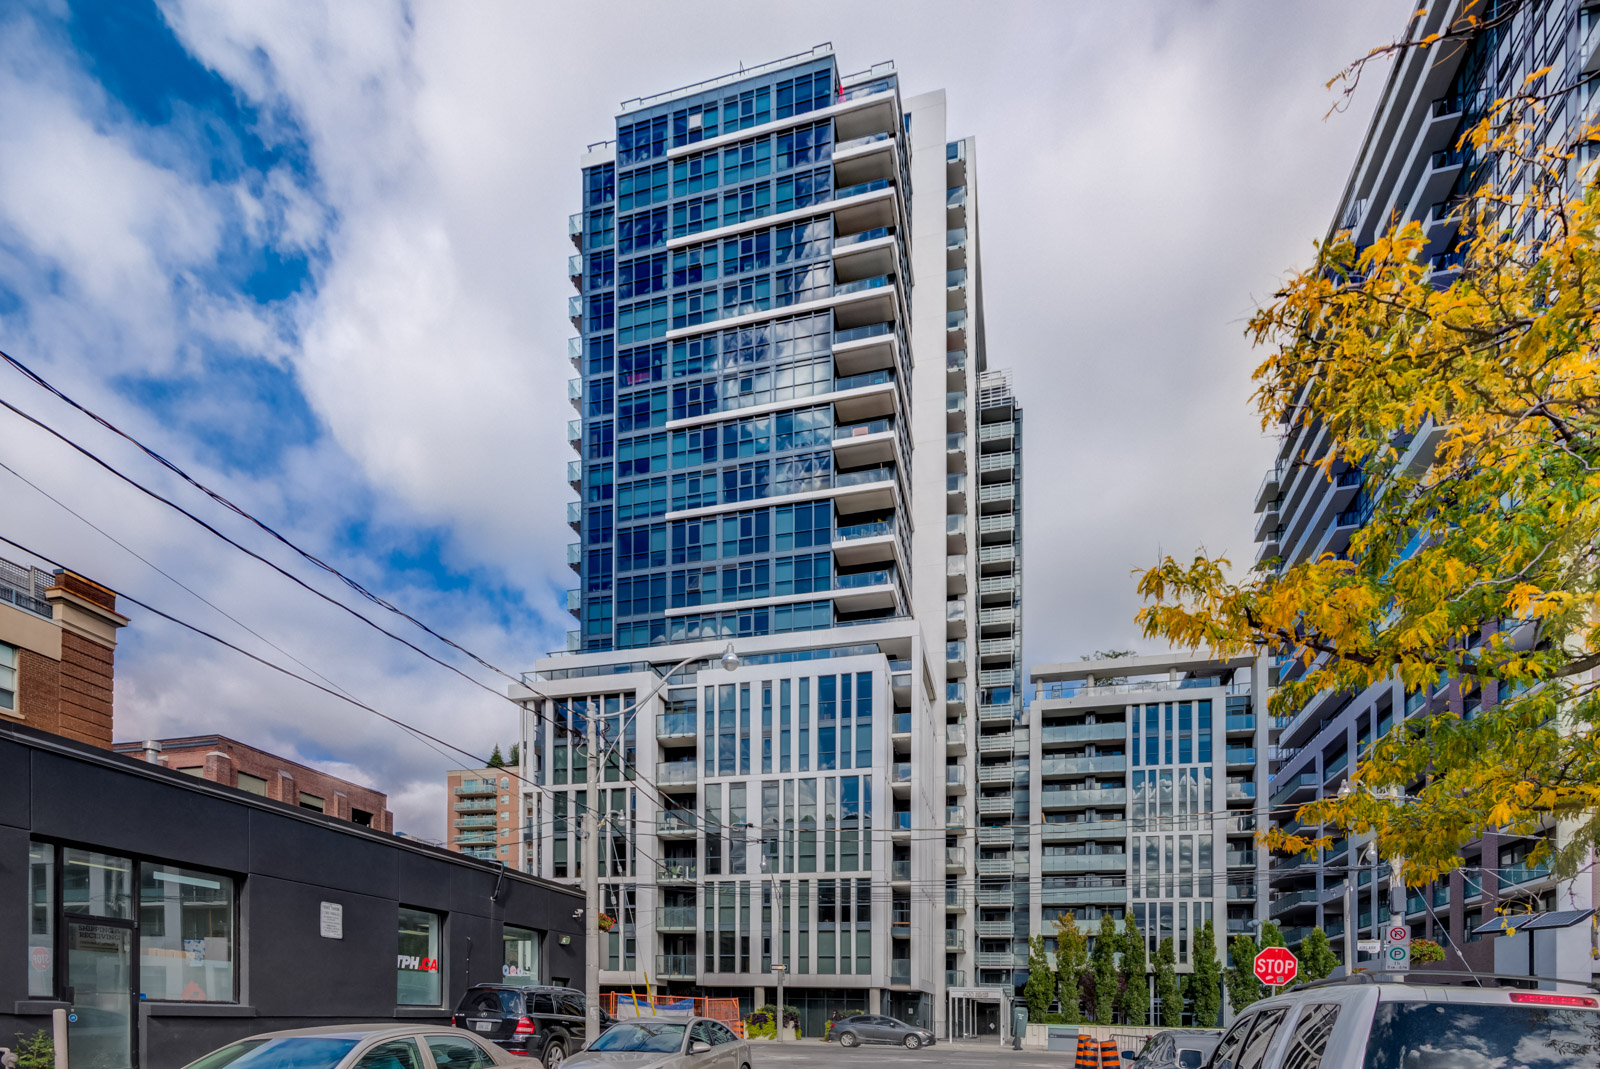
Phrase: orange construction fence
pixel 639 1004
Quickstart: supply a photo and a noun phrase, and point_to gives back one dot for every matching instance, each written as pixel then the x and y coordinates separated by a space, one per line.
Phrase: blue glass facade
pixel 709 394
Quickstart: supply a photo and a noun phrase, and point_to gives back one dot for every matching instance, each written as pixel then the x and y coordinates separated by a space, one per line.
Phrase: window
pixel 197 771
pixel 417 965
pixel 643 230
pixel 805 145
pixel 747 160
pixel 1437 1035
pixel 694 215
pixel 803 189
pixel 311 801
pixel 395 1054
pixel 361 817
pixel 97 885
pixel 41 920
pixel 640 141
pixel 8 677
pixel 720 1034
pixel 643 276
pixel 747 202
pixel 186 935
pixel 1254 1051
pixel 643 187
pixel 254 784
pixel 599 184
pixel 602 269
pixel 521 953
pixel 1310 1037
pixel 457 1052
pixel 796 96
pixel 694 124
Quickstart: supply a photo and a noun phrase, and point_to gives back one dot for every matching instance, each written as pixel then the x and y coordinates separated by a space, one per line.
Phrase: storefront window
pixel 522 953
pixel 99 885
pixel 186 931
pixel 41 920
pixel 418 964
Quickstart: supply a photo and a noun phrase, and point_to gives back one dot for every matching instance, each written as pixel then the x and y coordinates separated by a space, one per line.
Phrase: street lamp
pixel 1397 890
pixel 591 837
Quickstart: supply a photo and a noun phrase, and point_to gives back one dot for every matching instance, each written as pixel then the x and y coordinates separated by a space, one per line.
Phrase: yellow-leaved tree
pixel 1472 410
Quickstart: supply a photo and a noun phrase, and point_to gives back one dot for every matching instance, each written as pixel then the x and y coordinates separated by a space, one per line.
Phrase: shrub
pixel 37 1051
pixel 759 1025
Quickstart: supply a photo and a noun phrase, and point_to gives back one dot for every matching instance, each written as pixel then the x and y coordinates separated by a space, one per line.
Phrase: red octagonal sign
pixel 1275 966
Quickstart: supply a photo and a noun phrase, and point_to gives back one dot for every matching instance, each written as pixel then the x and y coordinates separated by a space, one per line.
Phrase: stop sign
pixel 1275 966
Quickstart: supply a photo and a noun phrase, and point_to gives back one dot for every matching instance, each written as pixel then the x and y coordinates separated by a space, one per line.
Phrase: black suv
pixel 539 1022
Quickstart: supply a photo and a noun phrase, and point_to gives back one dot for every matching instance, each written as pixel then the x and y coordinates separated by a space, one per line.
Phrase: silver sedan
pixel 676 1042
pixel 360 1046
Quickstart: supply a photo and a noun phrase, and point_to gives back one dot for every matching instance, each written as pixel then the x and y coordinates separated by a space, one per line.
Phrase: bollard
pixel 58 1026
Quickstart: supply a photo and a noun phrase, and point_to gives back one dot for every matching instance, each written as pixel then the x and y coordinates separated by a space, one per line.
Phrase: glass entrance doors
pixel 100 973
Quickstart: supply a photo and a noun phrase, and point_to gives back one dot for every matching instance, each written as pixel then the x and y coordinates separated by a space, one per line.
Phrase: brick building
pixel 220 759
pixel 481 814
pixel 58 639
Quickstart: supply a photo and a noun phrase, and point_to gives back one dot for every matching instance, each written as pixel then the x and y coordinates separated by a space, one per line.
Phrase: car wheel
pixel 847 1039
pixel 913 1042
pixel 554 1055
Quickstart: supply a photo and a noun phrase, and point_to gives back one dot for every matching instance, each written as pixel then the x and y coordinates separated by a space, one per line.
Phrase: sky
pixel 314 254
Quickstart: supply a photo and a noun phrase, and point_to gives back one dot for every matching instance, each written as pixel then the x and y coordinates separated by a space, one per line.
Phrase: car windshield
pixel 1444 1035
pixel 652 1036
pixel 288 1052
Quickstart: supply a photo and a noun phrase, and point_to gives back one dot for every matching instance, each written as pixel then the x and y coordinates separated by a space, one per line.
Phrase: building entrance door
pixel 100 974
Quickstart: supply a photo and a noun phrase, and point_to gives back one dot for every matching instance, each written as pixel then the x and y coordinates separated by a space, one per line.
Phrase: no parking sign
pixel 1397 947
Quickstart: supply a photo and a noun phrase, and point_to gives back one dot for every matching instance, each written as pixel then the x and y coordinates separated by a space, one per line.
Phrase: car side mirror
pixel 699 1047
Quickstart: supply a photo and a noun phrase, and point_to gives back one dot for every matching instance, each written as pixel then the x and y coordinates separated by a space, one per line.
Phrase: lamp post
pixel 591 839
pixel 1397 887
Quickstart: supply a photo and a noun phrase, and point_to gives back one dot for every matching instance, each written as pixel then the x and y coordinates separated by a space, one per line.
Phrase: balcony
pixel 476 787
pixel 1522 873
pixel 574 480
pixel 866 253
pixel 900 971
pixel 676 775
pixel 900 776
pixel 1240 859
pixel 955 816
pixel 575 555
pixel 900 823
pixel 955 978
pixel 676 919
pixel 994 866
pixel 1081 766
pixel 676 824
pixel 955 738
pixel 485 805
pixel 476 822
pixel 955 779
pixel 995 929
pixel 677 870
pixel 1297 788
pixel 995 897
pixel 1088 890
pixel 1294 900
pixel 1241 791
pixel 955 693
pixel 870 347
pixel 900 869
pixel 955 366
pixel 1101 731
pixel 1084 798
pixel 675 728
pixel 955 859
pixel 996 804
pixel 575 311
pixel 996 773
pixel 1080 830
pixel 989 959
pixel 1000 742
pixel 675 966
pixel 1240 756
pixel 995 835
pixel 874 441
pixel 955 900
pixel 575 228
pixel 1107 862
pixel 575 269
pixel 865 591
pixel 1005 712
pixel 955 939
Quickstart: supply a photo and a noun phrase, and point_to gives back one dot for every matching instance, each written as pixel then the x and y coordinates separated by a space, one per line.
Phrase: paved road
pixel 968 1055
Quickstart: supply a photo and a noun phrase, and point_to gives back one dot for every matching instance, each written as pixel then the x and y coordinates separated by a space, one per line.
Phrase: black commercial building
pixel 172 915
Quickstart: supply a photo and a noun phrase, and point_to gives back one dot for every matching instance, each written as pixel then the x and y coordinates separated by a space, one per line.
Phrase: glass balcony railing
pixel 955 319
pixel 955 482
pixel 955 775
pixel 955 816
pixel 955 277
pixel 900 821
pixel 867 378
pixel 956 239
pixel 900 869
pixel 870 330
pixel 876 282
pixel 679 869
pixel 902 724
pixel 675 725
pixel 865 235
pixel 862 187
pixel 860 430
pixel 857 142
pixel 875 529
pixel 858 580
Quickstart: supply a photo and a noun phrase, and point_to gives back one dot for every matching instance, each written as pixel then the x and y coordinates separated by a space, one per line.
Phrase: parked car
pixel 1178 1048
pixel 1384 1021
pixel 546 1023
pixel 666 1042
pixel 359 1046
pixel 872 1028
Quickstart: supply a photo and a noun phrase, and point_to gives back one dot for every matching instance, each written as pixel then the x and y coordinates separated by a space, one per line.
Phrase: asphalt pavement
pixel 962 1055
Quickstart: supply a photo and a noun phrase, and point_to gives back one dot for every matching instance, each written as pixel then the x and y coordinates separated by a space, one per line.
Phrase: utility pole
pixel 778 967
pixel 1350 919
pixel 591 882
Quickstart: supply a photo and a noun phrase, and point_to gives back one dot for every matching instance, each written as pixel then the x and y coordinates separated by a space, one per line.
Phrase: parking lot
pixel 964 1055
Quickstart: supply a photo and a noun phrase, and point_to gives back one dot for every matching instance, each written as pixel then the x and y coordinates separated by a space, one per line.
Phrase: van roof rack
pixel 1445 976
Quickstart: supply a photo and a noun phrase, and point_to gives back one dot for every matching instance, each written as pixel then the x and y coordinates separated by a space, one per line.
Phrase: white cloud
pixel 1146 174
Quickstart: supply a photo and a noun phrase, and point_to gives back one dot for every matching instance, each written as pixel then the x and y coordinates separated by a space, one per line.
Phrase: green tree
pixel 515 756
pixel 1317 958
pixel 1205 983
pixel 1243 987
pixel 1072 954
pixel 1167 985
pixel 1135 974
pixel 1041 985
pixel 495 760
pixel 1465 409
pixel 1103 967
